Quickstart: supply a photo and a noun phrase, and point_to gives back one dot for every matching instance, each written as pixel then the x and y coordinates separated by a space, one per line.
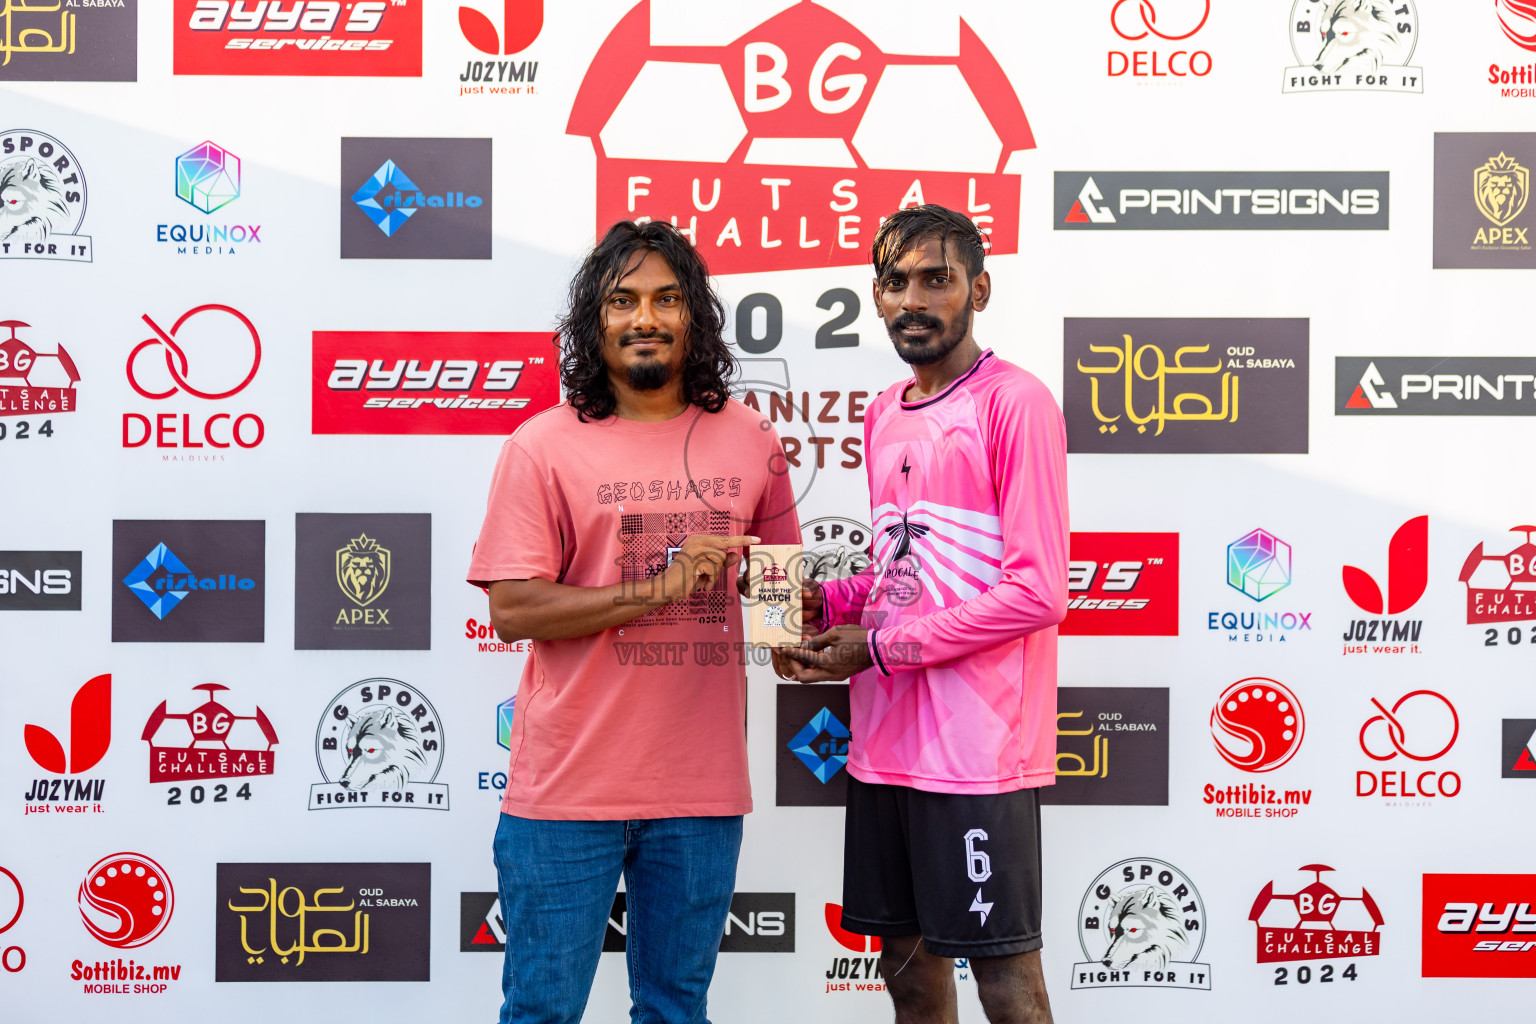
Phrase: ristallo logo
pixel 799 145
pixel 1407 576
pixel 1123 584
pixel 189 580
pixel 1138 21
pixel 1257 726
pixel 430 382
pixel 228 351
pixel 372 38
pixel 90 734
pixel 36 385
pixel 813 740
pixel 415 199
pixel 1421 726
pixel 521 23
pixel 1479 926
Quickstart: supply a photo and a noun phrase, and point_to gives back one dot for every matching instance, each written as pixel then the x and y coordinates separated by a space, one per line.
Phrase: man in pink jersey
pixel 950 636
pixel 610 539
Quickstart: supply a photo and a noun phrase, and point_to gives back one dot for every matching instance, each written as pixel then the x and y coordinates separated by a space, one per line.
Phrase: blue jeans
pixel 557 881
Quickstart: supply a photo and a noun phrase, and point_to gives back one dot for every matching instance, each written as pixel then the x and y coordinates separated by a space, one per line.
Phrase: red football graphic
pixel 126 900
pixel 1257 725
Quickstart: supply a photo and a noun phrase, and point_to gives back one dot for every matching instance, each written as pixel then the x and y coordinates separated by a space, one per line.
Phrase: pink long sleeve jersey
pixel 968 491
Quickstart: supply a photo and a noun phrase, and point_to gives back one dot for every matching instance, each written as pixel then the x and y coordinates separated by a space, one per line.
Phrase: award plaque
pixel 773 596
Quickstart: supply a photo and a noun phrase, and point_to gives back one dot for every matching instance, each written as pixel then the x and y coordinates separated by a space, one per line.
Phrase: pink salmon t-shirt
pixel 648 719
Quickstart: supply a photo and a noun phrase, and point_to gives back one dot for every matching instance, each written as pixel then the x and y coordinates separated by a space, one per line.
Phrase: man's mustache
pixel 906 320
pixel 630 337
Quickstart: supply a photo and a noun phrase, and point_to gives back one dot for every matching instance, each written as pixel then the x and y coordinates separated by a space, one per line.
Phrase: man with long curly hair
pixel 611 540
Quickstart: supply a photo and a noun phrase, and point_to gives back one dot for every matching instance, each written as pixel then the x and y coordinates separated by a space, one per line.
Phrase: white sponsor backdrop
pixel 1366 293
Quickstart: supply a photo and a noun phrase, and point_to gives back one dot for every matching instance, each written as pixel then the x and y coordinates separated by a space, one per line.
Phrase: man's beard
pixel 650 374
pixel 932 349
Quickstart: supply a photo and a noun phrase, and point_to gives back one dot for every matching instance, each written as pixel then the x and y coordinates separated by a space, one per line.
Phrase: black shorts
pixel 962 871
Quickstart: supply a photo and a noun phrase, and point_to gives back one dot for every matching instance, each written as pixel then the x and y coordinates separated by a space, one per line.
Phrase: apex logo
pixel 1407 572
pixel 522 21
pixel 90 732
pixel 1366 396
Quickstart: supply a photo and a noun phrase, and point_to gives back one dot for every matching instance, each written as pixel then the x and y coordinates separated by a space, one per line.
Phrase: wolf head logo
pixel 1359 35
pixel 31 201
pixel 1147 930
pixel 384 750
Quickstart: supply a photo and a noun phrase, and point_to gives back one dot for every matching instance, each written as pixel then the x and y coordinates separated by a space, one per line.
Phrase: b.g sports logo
pixel 311 37
pixel 430 382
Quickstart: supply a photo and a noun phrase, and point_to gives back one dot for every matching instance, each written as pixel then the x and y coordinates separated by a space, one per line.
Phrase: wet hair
pixel 904 229
pixel 708 365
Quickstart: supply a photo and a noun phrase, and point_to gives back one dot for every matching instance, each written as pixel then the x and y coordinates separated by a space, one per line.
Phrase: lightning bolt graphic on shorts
pixel 981 908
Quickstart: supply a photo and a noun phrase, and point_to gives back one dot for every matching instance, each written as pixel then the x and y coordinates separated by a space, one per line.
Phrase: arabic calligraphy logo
pixel 1515 15
pixel 273 905
pixel 1407 572
pixel 20 41
pixel 1257 725
pixel 362 570
pixel 1501 188
pixel 176 359
pixel 1100 765
pixel 1428 722
pixel 1259 564
pixel 208 176
pixel 822 745
pixel 1130 361
pixel 126 900
pixel 1149 22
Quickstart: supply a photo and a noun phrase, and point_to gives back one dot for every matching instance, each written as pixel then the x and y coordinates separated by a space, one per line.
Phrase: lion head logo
pixel 32 204
pixel 1501 186
pixel 362 570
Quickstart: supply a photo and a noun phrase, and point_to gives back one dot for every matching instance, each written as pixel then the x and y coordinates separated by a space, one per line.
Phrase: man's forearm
pixel 544 610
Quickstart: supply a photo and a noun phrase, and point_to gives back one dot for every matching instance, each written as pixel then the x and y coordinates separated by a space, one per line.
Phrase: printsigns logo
pixel 1343 45
pixel 785 114
pixel 379 744
pixel 439 209
pixel 1140 21
pixel 42 199
pixel 90 734
pixel 219 344
pixel 481 927
pixel 1223 200
pixel 1123 584
pixel 126 900
pixel 758 922
pixel 1407 577
pixel 813 738
pixel 1420 726
pixel 1315 923
pixel 323 922
pixel 1141 924
pixel 1143 385
pixel 429 382
pixel 1112 746
pixel 1483 216
pixel 214 567
pixel 363 582
pixel 33 383
pixel 39 581
pixel 209 742
pixel 1479 926
pixel 43 43
pixel 1502 588
pixel 1519 749
pixel 1434 386
pixel 376 38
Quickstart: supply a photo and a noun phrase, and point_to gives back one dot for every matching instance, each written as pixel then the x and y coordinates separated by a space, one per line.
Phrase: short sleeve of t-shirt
pixel 521 537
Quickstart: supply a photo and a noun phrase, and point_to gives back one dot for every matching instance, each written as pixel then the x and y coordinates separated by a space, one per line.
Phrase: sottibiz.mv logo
pixel 1123 584
pixel 1407 577
pixel 1479 926
pixel 126 901
pixel 90 733
pixel 429 382
pixel 800 144
pixel 374 38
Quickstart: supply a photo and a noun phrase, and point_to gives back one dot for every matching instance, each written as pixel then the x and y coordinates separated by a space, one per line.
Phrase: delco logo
pixel 317 37
pixel 429 382
pixel 1123 584
pixel 801 141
